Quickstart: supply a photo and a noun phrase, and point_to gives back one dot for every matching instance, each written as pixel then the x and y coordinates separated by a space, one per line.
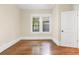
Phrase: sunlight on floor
pixel 42 49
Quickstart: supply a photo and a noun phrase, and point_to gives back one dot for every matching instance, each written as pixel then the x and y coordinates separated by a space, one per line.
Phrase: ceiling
pixel 35 6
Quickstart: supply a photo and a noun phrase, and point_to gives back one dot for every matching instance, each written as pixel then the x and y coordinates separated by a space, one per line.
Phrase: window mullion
pixel 41 24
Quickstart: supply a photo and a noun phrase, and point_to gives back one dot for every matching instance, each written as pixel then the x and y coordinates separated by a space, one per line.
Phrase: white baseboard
pixel 5 46
pixel 55 41
pixel 35 38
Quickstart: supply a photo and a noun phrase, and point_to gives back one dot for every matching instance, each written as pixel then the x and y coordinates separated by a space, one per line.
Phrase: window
pixel 35 24
pixel 45 24
pixel 40 23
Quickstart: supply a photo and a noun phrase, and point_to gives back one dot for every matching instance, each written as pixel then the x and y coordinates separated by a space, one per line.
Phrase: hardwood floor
pixel 39 47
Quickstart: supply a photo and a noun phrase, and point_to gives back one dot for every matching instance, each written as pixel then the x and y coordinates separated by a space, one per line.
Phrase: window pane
pixel 35 24
pixel 45 24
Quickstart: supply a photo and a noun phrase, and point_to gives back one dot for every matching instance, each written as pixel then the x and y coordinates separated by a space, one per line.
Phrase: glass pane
pixel 35 24
pixel 45 24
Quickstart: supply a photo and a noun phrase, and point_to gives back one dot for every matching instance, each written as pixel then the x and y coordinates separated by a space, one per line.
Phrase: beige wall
pixel 11 26
pixel 76 7
pixel 26 23
pixel 56 14
pixel 9 23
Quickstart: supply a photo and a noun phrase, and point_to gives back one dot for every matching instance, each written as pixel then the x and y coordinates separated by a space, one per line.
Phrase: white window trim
pixel 40 15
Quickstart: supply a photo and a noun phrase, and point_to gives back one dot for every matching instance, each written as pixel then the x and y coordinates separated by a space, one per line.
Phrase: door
pixel 69 29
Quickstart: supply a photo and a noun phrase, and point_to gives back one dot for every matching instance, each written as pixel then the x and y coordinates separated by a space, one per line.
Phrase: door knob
pixel 62 31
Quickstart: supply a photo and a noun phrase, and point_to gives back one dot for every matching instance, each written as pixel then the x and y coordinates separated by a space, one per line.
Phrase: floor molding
pixel 55 41
pixel 41 38
pixel 35 38
pixel 7 45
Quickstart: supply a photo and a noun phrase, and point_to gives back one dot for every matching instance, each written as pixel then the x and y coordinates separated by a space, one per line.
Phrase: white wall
pixel 56 16
pixel 76 7
pixel 26 23
pixel 9 23
pixel 12 25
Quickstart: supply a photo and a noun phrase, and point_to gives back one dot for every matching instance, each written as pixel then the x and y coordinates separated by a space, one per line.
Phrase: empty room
pixel 39 29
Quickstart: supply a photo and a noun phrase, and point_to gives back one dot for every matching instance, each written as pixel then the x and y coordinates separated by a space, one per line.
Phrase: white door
pixel 69 29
